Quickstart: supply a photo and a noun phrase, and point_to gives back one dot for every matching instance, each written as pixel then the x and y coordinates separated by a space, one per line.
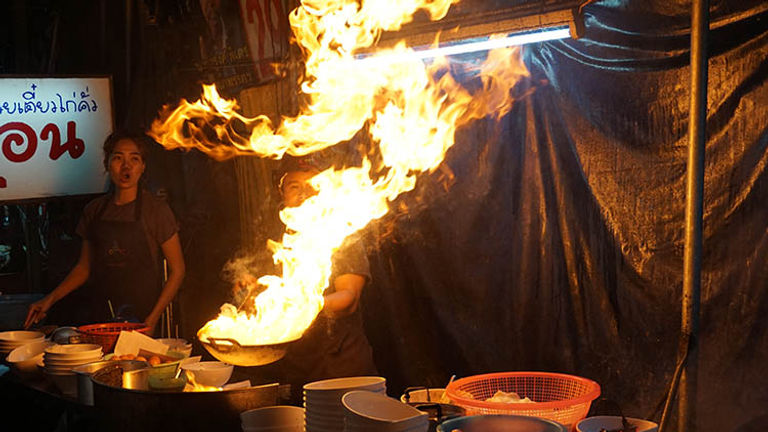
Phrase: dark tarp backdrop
pixel 559 245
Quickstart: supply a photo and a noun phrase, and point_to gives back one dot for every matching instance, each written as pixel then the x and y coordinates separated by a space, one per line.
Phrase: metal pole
pixel 128 24
pixel 694 206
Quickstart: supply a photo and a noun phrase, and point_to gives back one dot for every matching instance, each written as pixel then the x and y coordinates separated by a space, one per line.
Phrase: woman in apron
pixel 123 234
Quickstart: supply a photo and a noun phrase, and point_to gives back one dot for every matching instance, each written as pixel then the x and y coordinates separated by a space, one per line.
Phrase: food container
pixel 84 373
pixel 136 379
pixel 65 335
pixel 14 307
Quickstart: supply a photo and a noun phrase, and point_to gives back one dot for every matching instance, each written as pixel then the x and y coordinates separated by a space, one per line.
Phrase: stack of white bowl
pixel 59 360
pixel 25 358
pixel 324 411
pixel 280 418
pixel 374 412
pixel 10 340
pixel 178 345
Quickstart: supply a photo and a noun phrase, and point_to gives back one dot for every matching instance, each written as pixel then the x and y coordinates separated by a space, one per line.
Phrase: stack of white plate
pixel 374 412
pixel 322 400
pixel 10 340
pixel 59 360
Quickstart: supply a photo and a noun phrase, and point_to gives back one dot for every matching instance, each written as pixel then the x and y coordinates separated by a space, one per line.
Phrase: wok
pixel 128 410
pixel 232 352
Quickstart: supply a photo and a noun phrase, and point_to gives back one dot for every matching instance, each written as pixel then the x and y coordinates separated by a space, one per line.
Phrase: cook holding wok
pixel 335 345
pixel 124 233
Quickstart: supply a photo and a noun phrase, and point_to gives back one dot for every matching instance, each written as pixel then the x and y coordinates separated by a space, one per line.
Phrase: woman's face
pixel 296 187
pixel 126 164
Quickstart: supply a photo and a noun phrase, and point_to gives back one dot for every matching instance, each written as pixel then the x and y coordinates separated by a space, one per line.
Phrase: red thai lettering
pixel 74 145
pixel 19 134
pixel 52 131
pixel 20 142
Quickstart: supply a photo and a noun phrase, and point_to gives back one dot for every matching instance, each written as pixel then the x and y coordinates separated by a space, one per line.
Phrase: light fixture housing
pixel 470 25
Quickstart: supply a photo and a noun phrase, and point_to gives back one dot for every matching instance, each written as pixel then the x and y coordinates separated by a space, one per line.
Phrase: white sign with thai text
pixel 51 136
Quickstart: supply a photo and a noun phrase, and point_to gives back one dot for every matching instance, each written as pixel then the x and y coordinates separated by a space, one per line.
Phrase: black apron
pixel 329 348
pixel 123 269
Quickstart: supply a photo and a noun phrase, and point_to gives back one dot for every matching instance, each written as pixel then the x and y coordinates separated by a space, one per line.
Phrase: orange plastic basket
pixel 559 397
pixel 106 334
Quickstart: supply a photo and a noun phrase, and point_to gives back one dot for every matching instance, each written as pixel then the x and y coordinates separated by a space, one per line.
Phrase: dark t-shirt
pixel 332 348
pixel 350 258
pixel 157 219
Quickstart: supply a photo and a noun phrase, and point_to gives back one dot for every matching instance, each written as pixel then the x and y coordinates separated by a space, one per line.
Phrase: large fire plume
pixel 410 108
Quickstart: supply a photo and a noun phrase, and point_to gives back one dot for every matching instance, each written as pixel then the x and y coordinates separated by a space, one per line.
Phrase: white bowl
pixel 594 424
pixel 274 418
pixel 56 362
pixel 73 351
pixel 55 367
pixel 25 357
pixel 210 373
pixel 7 347
pixel 348 383
pixel 17 337
pixel 364 407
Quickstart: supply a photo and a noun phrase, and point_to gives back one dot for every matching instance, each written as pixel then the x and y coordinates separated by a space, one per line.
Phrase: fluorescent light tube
pixel 479 45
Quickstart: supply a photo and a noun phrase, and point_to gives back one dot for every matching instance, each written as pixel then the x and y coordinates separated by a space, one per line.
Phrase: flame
pixel 194 386
pixel 410 108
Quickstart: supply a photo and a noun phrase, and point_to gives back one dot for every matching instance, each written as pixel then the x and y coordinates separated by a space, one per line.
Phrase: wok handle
pixel 407 392
pixel 438 409
pixel 216 342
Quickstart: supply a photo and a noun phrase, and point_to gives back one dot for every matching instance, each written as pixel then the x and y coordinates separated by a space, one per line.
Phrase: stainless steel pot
pixel 230 351
pixel 84 373
pixel 136 380
pixel 128 410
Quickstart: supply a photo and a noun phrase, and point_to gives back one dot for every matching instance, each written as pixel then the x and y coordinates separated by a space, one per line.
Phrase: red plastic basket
pixel 559 397
pixel 106 334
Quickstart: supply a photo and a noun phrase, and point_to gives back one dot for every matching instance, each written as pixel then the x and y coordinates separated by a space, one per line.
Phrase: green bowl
pixel 167 383
pixel 166 369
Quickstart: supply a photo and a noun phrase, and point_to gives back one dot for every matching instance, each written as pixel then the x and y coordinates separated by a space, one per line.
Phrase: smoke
pixel 242 273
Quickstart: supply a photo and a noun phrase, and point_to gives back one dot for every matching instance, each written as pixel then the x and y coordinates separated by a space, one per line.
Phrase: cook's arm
pixel 175 259
pixel 75 278
pixel 344 301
